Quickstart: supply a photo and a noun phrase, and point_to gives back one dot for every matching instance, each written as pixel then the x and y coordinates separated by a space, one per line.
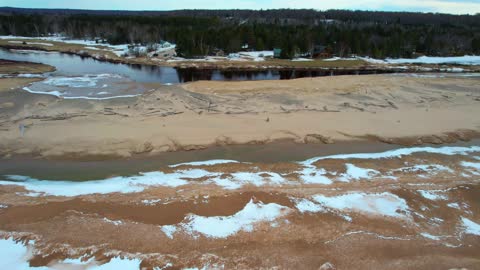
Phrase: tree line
pixel 296 32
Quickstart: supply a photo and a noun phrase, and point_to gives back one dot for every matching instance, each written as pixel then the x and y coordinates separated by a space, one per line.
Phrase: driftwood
pixel 62 117
pixel 162 114
pixel 109 111
pixel 348 105
pixel 50 118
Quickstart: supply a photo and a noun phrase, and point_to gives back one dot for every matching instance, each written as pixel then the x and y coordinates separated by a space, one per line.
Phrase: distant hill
pixel 297 14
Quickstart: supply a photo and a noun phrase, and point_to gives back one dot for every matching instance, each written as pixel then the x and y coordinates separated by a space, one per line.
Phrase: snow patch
pixel 470 226
pixel 61 95
pixel 307 206
pixel 460 60
pixel 311 175
pixel 356 173
pixel 385 204
pixel 16 256
pixel 433 195
pixel 429 169
pixel 114 222
pixel 432 237
pixel 397 153
pixel 244 220
pixel 169 230
pixel 205 163
pixel 116 184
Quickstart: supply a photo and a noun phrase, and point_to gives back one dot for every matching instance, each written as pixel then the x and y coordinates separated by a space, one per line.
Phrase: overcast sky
pixel 443 6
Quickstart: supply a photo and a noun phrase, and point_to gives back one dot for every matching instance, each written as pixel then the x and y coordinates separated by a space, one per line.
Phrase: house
pixel 320 51
pixel 277 53
pixel 218 52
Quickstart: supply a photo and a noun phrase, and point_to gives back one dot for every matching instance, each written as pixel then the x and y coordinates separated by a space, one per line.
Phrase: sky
pixel 441 6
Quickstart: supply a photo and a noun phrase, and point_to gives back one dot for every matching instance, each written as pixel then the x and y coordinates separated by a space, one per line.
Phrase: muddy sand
pixel 408 208
pixel 396 109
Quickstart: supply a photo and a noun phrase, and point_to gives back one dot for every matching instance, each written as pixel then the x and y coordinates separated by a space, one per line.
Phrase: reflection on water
pixel 73 65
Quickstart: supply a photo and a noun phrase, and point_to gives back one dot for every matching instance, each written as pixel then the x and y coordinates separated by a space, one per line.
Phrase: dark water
pixel 104 167
pixel 73 65
pixel 80 170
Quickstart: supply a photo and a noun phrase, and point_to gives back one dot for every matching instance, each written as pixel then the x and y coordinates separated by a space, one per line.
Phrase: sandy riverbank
pixel 390 108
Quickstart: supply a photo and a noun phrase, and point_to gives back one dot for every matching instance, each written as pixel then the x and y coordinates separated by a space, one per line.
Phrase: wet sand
pixel 396 218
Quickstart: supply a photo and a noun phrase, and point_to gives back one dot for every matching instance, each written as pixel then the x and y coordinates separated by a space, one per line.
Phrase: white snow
pixel 302 60
pixel 16 256
pixel 307 206
pixel 356 173
pixel 119 50
pixel 430 236
pixel 311 175
pixel 339 58
pixel 92 48
pixel 446 150
pixel 151 202
pixel 30 75
pixel 205 163
pixel 454 205
pixel 61 95
pixel 433 195
pixel 114 222
pixel 239 179
pixel 75 82
pixel 246 56
pixel 470 226
pixel 88 80
pixel 110 185
pixel 169 230
pixel 386 204
pixel 461 60
pixel 225 226
pixel 473 165
pixel 429 169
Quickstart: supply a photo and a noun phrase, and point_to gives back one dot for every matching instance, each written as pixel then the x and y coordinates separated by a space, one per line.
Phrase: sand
pixel 375 221
pixel 410 211
pixel 388 108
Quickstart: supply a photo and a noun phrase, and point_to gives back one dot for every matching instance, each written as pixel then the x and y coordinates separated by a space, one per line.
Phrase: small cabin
pixel 218 53
pixel 277 53
pixel 320 51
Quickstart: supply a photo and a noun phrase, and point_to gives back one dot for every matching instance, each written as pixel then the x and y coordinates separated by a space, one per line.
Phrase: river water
pixel 85 77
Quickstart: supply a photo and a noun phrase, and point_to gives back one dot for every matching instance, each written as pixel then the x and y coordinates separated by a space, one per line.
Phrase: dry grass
pixel 66 47
pixel 58 46
pixel 14 67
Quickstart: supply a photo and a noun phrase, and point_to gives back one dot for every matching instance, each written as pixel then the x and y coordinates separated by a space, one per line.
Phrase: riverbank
pixel 388 108
pixel 107 53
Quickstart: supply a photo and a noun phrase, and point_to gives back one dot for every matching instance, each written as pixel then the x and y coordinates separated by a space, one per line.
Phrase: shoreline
pixel 274 64
pixel 389 109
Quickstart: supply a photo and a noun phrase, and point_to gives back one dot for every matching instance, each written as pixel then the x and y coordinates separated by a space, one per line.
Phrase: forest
pixel 296 32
